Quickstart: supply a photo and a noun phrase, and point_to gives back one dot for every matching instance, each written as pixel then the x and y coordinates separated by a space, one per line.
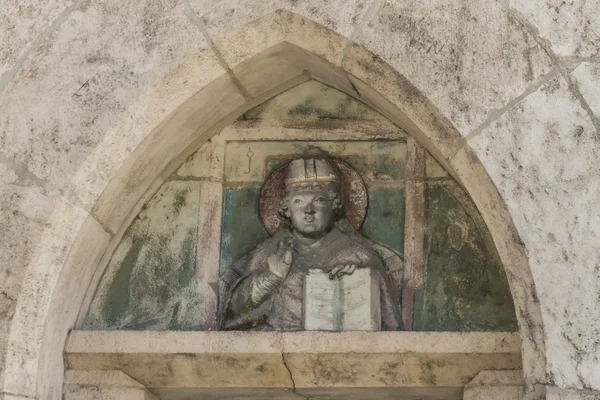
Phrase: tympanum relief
pixel 300 216
pixel 316 271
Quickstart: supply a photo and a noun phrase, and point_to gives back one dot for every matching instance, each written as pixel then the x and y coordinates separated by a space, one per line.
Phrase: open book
pixel 350 303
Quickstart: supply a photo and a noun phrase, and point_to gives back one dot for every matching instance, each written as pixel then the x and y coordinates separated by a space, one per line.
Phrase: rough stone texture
pixel 278 35
pixel 543 156
pixel 495 385
pixel 39 282
pixel 103 385
pixel 110 54
pixel 313 359
pixel 458 51
pixel 21 23
pixel 564 28
pixel 221 16
pixel 587 76
pixel 24 211
pixel 554 394
pixel 572 28
pixel 273 29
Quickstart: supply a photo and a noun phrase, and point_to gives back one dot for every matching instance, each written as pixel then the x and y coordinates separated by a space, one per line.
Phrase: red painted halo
pixel 352 190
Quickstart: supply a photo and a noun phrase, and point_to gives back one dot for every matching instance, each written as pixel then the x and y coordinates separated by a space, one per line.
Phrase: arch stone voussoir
pixel 266 57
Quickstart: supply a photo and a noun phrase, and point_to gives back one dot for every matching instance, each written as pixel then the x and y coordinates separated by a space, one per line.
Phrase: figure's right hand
pixel 280 263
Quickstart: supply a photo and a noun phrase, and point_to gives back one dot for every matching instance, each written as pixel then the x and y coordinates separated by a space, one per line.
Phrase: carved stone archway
pixel 297 50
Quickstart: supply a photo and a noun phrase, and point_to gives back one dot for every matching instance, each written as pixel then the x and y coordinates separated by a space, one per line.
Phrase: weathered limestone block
pixel 278 36
pixel 557 394
pixel 231 393
pixel 349 303
pixel 103 385
pixel 111 54
pixel 495 385
pixel 274 28
pixel 31 338
pixel 543 158
pixel 570 27
pixel 316 360
pixel 21 23
pixel 24 211
pixel 469 58
pixel 221 17
pixel 587 76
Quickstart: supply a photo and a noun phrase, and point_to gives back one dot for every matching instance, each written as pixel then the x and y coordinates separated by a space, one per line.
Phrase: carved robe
pixel 260 300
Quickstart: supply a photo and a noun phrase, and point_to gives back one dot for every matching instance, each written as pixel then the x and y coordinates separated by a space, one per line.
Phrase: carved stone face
pixel 312 211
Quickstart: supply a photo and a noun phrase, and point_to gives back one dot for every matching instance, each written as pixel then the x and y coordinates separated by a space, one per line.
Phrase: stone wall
pixel 92 94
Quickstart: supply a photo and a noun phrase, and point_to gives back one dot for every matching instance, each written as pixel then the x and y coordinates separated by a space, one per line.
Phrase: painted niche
pixel 183 260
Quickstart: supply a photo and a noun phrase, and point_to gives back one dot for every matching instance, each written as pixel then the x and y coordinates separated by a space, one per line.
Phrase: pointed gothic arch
pixel 297 49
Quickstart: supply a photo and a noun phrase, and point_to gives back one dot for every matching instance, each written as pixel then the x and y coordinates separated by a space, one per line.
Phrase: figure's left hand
pixel 342 270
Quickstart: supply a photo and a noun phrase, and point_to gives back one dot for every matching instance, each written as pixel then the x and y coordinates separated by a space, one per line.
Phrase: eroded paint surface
pixel 312 100
pixel 385 218
pixel 149 283
pixel 465 285
pixel 242 227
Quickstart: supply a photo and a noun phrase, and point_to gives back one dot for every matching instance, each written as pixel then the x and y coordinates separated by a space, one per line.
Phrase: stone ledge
pixel 495 385
pixel 438 393
pixel 294 360
pixel 161 342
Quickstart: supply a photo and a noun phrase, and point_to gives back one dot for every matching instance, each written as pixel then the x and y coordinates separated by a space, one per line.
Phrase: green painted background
pixel 149 282
pixel 465 285
pixel 243 230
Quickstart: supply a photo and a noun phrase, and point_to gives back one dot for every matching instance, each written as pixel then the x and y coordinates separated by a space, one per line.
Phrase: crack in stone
pixel 498 113
pixel 562 67
pixel 17 395
pixel 555 71
pixel 196 20
pixel 533 31
pixel 565 64
pixel 368 16
pixel 574 89
pixel 289 372
pixel 291 377
pixel 549 389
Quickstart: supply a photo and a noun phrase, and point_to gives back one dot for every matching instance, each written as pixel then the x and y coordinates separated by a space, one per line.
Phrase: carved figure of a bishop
pixel 264 290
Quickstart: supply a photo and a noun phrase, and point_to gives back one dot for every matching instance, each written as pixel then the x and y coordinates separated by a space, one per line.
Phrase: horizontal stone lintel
pixel 312 359
pixel 437 393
